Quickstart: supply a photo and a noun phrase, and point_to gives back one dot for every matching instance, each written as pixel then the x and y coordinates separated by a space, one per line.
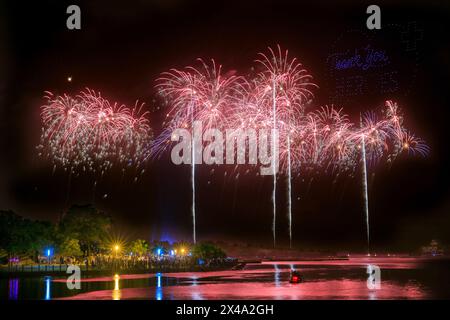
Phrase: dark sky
pixel 122 48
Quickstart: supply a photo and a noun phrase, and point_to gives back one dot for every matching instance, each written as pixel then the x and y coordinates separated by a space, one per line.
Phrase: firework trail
pixel 87 133
pixel 387 137
pixel 179 89
pixel 282 89
pixel 384 138
pixel 197 94
pixel 289 190
pixel 274 199
pixel 365 189
pixel 194 230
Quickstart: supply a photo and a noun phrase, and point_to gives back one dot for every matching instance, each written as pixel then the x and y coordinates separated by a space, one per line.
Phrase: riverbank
pixel 61 270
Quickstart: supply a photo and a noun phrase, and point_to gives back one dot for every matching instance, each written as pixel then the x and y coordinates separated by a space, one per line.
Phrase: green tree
pixel 87 224
pixel 19 236
pixel 206 250
pixel 70 248
pixel 139 247
pixel 42 235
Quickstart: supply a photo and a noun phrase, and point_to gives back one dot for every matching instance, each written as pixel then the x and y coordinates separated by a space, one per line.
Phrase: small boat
pixel 295 277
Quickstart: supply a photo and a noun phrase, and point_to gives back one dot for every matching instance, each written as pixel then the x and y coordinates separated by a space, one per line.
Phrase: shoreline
pixel 5 273
pixel 238 265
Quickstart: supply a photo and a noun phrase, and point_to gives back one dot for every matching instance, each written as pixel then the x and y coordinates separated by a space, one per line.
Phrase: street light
pixel 116 249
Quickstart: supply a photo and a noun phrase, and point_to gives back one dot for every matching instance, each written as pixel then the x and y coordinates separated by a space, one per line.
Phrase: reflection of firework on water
pixel 88 133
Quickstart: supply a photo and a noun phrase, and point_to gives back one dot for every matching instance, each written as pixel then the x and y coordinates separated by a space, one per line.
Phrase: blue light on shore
pixel 49 252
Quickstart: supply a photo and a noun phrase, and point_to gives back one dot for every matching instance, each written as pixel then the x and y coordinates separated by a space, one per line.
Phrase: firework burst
pixel 88 133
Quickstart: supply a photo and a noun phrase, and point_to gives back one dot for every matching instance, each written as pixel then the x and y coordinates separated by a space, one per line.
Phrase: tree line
pixel 83 231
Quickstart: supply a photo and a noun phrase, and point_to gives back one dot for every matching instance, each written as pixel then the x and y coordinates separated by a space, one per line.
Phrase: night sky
pixel 120 51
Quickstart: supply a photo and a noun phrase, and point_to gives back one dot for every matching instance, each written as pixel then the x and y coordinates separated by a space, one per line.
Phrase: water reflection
pixel 47 288
pixel 13 289
pixel 348 279
pixel 196 295
pixel 158 292
pixel 116 292
pixel 276 275
pixel 374 278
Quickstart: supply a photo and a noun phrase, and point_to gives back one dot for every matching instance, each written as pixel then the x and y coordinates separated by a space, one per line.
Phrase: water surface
pixel 401 278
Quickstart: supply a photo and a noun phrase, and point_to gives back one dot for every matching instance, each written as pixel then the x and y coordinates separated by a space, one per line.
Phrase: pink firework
pixel 326 139
pixel 385 136
pixel 280 92
pixel 202 93
pixel 402 139
pixel 86 132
